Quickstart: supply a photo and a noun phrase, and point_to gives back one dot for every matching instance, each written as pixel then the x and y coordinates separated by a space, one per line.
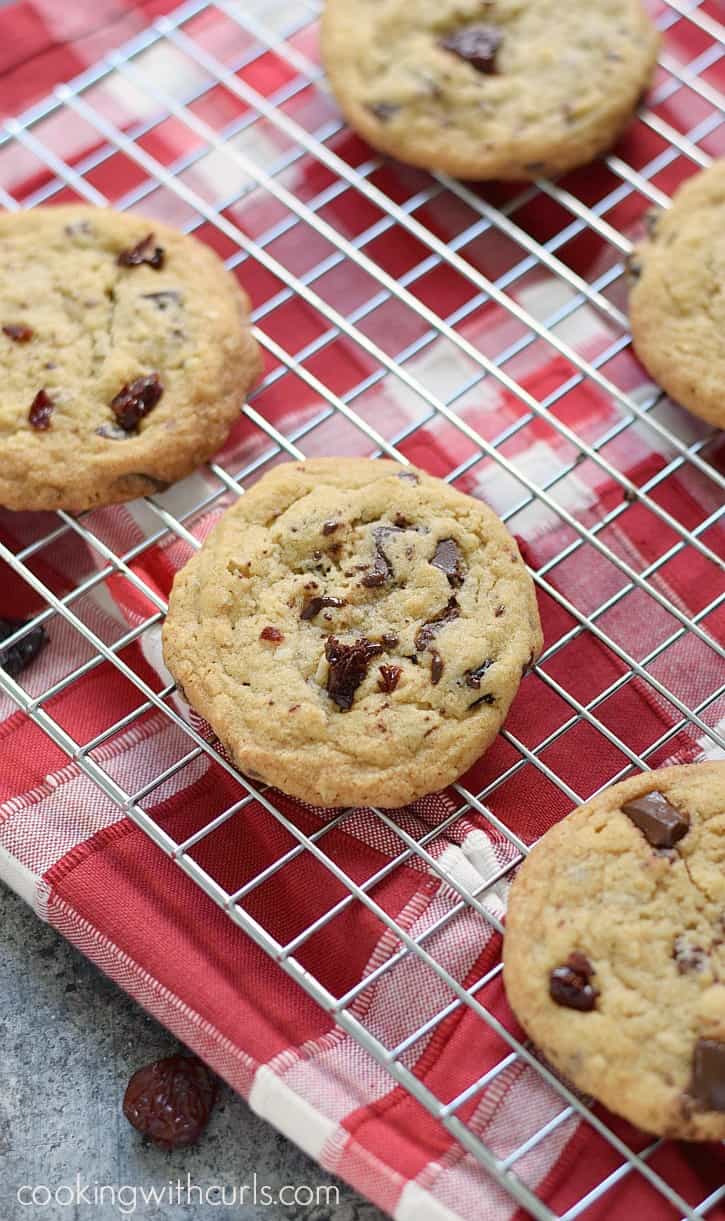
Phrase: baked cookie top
pixel 621 983
pixel 677 303
pixel 489 88
pixel 354 631
pixel 125 356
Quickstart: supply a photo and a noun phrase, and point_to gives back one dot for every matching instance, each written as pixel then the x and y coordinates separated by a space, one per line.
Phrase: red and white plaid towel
pixel 97 878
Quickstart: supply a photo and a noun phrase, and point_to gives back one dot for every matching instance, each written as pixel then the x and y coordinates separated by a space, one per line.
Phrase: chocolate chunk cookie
pixel 614 955
pixel 354 632
pixel 677 306
pixel 125 356
pixel 489 88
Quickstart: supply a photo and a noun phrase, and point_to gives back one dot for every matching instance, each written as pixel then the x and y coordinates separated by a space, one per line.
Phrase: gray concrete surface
pixel 69 1041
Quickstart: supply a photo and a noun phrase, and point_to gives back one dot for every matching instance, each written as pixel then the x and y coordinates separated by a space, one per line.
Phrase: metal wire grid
pixel 28 131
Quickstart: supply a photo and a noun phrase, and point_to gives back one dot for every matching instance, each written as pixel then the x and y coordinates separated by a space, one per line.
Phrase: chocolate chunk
pixel 688 957
pixel 163 300
pixel 427 631
pixel 707 1086
pixel 383 110
pixel 401 522
pixel 473 677
pixel 348 665
pixel 18 332
pixel 408 476
pixel 136 400
pixel 329 527
pixel 477 44
pixel 436 667
pixel 389 677
pixel 314 605
pixel 379 574
pixel 41 409
pixel 569 985
pixel 17 656
pixel 144 251
pixel 389 640
pixel 499 610
pixel 448 558
pixel 271 633
pixel 382 568
pixel 660 823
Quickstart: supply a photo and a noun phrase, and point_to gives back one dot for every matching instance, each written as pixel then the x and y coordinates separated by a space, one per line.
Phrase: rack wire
pixel 270 136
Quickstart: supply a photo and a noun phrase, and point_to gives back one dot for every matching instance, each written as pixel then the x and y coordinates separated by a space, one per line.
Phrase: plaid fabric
pixel 96 877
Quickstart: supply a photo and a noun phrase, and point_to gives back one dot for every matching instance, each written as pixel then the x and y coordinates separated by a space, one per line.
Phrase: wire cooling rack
pixel 217 118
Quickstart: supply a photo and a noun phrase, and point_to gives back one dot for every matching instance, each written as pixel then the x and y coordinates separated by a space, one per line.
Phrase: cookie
pixel 353 631
pixel 125 356
pixel 512 89
pixel 676 305
pixel 614 953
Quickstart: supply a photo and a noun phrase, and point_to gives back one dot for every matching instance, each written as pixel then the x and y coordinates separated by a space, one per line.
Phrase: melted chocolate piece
pixel 488 698
pixel 383 110
pixel 473 677
pixel 136 400
pixel 448 558
pixel 389 678
pixel 271 633
pixel 41 409
pixel 163 300
pixel 707 1086
pixel 17 656
pixel 314 605
pixel 409 476
pixel 389 640
pixel 329 527
pixel 477 44
pixel 348 666
pixel 660 823
pixel 78 228
pixel 427 631
pixel 688 957
pixel 569 985
pixel 382 568
pixel 18 332
pixel 144 251
pixel 436 667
